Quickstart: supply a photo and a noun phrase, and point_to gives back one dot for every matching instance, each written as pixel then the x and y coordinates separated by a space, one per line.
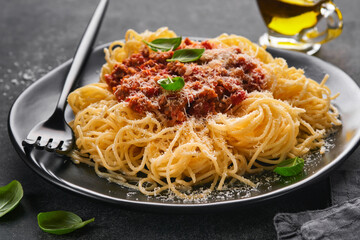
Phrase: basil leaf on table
pixel 290 167
pixel 187 55
pixel 10 196
pixel 172 84
pixel 164 44
pixel 60 222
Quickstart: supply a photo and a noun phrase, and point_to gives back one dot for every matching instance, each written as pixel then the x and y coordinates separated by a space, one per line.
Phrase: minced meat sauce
pixel 218 81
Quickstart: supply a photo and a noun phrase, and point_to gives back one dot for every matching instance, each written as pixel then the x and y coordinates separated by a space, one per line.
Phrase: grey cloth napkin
pixel 340 221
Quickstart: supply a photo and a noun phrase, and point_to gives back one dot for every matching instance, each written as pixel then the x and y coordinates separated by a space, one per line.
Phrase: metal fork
pixel 55 134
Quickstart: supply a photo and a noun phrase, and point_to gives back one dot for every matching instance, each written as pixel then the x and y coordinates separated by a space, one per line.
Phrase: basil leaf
pixel 292 179
pixel 172 84
pixel 10 196
pixel 290 167
pixel 187 55
pixel 164 44
pixel 60 222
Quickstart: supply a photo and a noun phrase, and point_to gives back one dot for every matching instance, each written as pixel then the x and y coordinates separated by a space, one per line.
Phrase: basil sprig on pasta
pixel 60 222
pixel 10 196
pixel 187 55
pixel 172 84
pixel 169 44
pixel 290 167
pixel 164 44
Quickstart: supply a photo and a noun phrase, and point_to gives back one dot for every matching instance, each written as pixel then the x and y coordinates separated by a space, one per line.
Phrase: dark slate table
pixel 38 35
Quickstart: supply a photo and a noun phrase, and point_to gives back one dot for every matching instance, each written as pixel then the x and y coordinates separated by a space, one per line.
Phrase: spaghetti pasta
pixel 288 117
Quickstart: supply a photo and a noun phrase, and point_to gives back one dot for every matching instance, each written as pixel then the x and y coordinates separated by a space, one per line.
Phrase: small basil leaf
pixel 173 84
pixel 290 167
pixel 60 222
pixel 187 55
pixel 164 44
pixel 10 196
pixel 292 179
pixel 165 81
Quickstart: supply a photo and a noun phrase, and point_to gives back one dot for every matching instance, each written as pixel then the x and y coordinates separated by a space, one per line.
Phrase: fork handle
pixel 82 53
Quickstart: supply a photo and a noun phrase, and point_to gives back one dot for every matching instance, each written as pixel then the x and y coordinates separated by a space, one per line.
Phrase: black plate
pixel 38 101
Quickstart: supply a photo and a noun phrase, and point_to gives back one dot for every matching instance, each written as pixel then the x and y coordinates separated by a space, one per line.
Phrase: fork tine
pixel 49 142
pixel 49 146
pixel 29 141
pixel 65 146
pixel 41 142
pixel 61 146
pixel 53 145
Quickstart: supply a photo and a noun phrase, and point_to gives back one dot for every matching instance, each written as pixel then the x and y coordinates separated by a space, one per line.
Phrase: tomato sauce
pixel 218 81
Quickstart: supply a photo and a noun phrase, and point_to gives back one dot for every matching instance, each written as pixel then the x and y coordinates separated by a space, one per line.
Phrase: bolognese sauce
pixel 218 81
